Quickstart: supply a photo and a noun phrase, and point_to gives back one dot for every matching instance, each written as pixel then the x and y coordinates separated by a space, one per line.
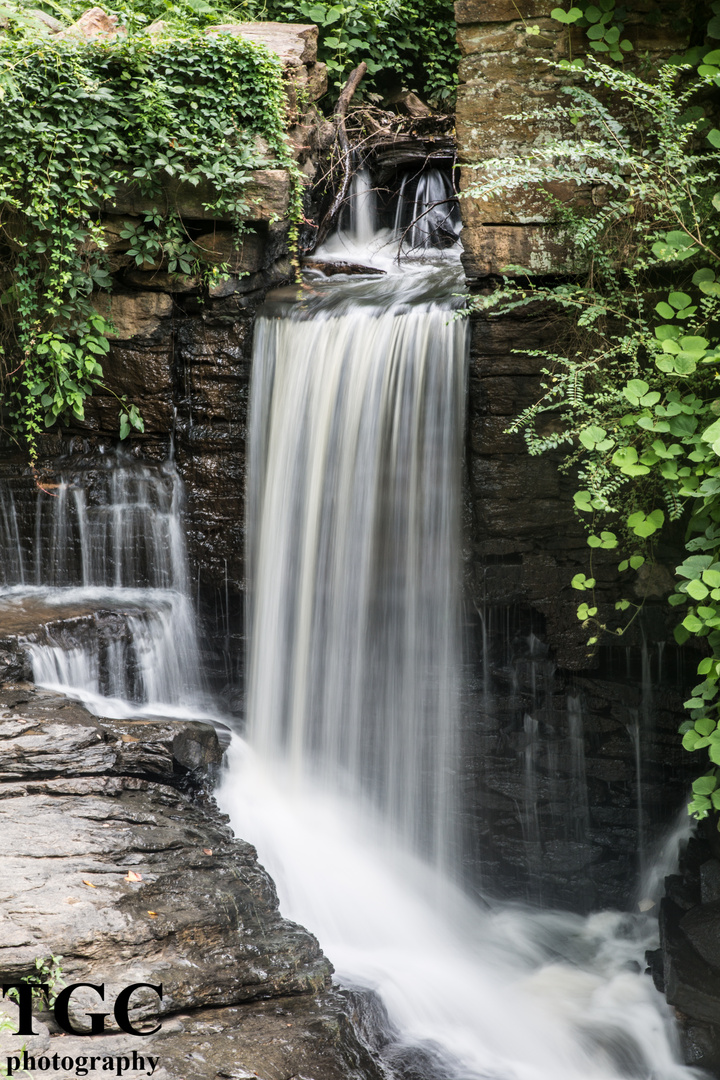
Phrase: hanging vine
pixel 79 121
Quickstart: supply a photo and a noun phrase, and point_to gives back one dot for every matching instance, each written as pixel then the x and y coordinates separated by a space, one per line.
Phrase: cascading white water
pixel 348 787
pixel 429 217
pixel 353 552
pixel 426 222
pixel 111 539
pixel 347 784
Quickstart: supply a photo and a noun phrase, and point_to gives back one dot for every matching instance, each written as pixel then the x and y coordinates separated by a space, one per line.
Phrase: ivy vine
pixel 79 121
pixel 633 394
pixel 605 23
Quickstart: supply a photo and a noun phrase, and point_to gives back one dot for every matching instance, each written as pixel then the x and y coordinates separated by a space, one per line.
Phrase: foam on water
pixel 348 787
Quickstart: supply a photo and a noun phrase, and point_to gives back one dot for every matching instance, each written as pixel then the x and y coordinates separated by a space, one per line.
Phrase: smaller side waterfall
pixel 109 539
pixel 12 563
pixel 149 668
pixel 427 214
pixel 123 529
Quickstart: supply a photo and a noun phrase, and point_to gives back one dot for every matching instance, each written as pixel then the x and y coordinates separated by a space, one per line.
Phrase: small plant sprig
pixel 633 393
pixel 79 121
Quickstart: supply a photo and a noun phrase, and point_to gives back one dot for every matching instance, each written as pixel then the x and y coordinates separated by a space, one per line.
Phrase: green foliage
pixel 409 41
pixel 603 22
pixel 79 120
pixel 48 972
pixel 633 394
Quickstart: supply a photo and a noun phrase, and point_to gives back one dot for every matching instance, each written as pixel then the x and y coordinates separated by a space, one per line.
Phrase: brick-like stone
pixel 490 11
pixel 265 196
pixel 502 249
pixel 134 314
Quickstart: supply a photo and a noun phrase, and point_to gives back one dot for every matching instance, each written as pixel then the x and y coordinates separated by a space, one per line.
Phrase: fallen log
pixel 329 267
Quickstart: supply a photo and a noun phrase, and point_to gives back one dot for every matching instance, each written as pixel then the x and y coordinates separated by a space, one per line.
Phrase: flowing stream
pixel 347 778
pixel 347 784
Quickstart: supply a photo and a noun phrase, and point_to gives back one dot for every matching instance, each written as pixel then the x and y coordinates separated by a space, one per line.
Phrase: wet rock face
pixel 116 858
pixel 687 965
pixel 82 802
pixel 558 810
pixel 305 1036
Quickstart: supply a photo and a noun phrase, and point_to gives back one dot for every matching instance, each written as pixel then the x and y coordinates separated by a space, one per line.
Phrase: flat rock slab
pixel 303 1036
pixel 84 801
pixel 266 195
pixel 294 43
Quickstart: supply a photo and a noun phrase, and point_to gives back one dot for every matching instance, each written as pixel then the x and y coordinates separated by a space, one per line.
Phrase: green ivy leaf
pixel 704 784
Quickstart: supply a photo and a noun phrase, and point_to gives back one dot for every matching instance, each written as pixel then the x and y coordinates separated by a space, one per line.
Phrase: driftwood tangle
pixel 346 95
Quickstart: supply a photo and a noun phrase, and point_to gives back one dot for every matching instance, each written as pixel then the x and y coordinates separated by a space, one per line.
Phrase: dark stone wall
pixel 559 810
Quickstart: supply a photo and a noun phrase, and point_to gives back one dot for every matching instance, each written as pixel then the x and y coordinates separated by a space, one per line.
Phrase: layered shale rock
pixel 116 858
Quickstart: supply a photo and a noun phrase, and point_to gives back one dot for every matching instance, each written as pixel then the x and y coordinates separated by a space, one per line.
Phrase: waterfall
pixel 110 538
pixel 355 452
pixel 425 224
pixel 347 783
pixel 429 217
pixel 363 208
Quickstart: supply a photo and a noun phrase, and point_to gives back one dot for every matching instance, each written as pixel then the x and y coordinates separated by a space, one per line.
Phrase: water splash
pixel 355 452
pixel 353 519
pixel 111 539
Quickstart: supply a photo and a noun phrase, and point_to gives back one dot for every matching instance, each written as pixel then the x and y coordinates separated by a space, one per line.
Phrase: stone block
pixel 521 205
pixel 134 314
pixel 266 195
pixel 242 255
pixel 489 11
pixel 488 436
pixel 496 249
pixel 482 124
pixel 162 281
pixel 102 414
pixel 507 395
pixel 496 343
pixel 701 926
pixel 509 39
pixel 139 372
pixel 293 43
pixel 113 245
pixel 305 84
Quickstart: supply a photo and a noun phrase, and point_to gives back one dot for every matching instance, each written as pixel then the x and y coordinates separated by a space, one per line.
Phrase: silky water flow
pixel 347 780
pixel 105 540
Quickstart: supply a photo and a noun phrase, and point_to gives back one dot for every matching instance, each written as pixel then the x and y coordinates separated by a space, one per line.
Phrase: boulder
pixel 117 863
pixel 83 801
pixel 93 25
pixel 134 314
pixel 294 43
